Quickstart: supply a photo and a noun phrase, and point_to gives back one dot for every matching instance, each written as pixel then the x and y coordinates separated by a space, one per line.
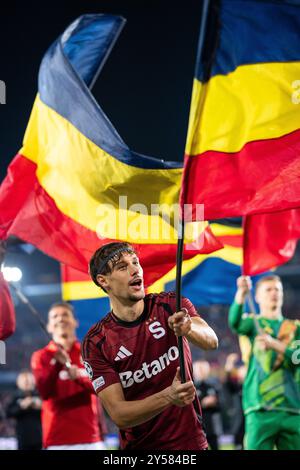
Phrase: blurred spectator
pixel 7 311
pixel 7 426
pixel 69 410
pixel 208 392
pixel 235 374
pixel 25 407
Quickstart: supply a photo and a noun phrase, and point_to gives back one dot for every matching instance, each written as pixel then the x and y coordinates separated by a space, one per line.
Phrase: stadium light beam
pixel 12 274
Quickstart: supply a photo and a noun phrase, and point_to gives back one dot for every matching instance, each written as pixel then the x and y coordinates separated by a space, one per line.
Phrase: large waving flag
pixel 210 278
pixel 207 279
pixel 243 145
pixel 270 240
pixel 75 184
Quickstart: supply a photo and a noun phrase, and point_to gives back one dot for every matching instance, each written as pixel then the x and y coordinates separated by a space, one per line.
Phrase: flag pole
pixel 180 241
pixel 42 324
pixel 35 313
pixel 179 258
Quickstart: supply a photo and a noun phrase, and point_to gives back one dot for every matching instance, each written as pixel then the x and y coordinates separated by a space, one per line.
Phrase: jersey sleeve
pixel 100 371
pixel 45 371
pixel 170 305
pixel 239 322
pixel 186 303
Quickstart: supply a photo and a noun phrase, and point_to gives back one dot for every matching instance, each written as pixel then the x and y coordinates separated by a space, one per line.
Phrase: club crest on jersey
pixel 157 330
pixel 88 369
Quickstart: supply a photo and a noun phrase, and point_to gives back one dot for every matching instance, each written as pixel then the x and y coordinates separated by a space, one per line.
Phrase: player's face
pixel 61 321
pixel 269 295
pixel 25 381
pixel 126 279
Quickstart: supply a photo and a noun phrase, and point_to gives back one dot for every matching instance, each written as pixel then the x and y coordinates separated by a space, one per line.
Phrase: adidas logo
pixel 122 353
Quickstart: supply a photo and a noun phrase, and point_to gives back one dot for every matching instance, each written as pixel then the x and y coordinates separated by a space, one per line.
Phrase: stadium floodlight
pixel 12 274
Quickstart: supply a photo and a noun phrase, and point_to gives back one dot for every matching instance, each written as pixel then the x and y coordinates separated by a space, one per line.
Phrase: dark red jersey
pixel 143 356
pixel 7 311
pixel 69 410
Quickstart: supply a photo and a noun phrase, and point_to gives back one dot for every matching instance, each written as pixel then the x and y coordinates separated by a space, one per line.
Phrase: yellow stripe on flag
pixel 79 290
pixel 252 103
pixel 72 168
pixel 228 253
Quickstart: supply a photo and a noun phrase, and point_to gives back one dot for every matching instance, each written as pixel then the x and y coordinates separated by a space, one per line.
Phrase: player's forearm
pixel 240 297
pixel 238 322
pixel 235 314
pixel 13 410
pixel 277 346
pixel 202 335
pixel 46 380
pixel 127 414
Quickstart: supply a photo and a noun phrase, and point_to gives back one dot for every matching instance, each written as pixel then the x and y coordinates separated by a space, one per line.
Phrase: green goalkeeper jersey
pixel 273 379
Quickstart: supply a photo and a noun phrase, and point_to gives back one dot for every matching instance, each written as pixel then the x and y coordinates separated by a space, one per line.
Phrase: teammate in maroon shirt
pixel 70 408
pixel 131 357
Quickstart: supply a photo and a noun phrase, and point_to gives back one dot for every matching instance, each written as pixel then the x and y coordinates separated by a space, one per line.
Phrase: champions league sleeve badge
pixel 88 369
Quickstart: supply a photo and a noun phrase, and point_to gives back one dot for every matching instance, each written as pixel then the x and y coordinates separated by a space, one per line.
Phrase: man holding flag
pixel 242 159
pixel 131 357
pixel 271 392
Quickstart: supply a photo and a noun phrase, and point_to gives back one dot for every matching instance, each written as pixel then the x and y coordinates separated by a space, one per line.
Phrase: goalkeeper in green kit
pixel 271 391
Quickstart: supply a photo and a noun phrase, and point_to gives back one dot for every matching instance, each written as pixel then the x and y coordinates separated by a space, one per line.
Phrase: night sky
pixel 144 88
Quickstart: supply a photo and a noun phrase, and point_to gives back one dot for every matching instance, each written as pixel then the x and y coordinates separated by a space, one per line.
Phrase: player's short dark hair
pixel 262 280
pixel 111 252
pixel 64 305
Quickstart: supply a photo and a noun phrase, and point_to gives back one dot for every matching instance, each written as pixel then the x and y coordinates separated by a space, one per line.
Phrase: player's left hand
pixel 26 403
pixel 264 341
pixel 180 322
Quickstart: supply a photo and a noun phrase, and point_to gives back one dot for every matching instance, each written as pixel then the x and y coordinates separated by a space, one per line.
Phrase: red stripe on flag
pixel 270 240
pixel 232 240
pixel 263 177
pixel 28 212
